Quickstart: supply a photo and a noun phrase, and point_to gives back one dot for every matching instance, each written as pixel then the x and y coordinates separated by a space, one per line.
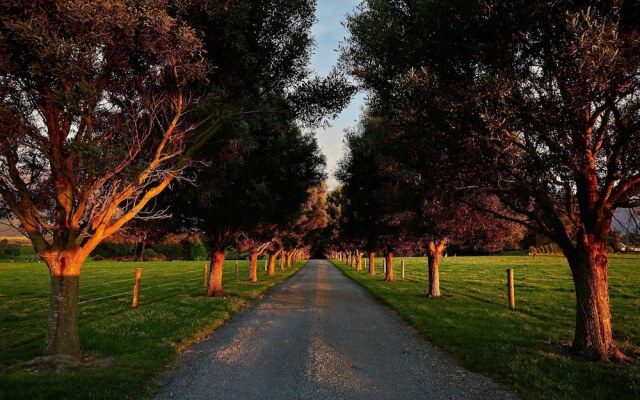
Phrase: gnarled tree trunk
pixel 359 262
pixel 62 339
pixel 593 336
pixel 253 267
pixel 390 277
pixel 271 269
pixel 372 263
pixel 215 274
pixel 434 252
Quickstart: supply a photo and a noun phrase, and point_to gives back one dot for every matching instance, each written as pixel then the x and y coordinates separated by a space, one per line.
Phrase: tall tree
pixel 538 104
pixel 261 182
pixel 93 98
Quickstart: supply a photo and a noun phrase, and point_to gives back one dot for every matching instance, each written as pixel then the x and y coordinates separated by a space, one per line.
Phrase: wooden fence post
pixel 136 288
pixel 402 263
pixel 512 293
pixel 384 265
pixel 236 269
pixel 266 263
pixel 204 275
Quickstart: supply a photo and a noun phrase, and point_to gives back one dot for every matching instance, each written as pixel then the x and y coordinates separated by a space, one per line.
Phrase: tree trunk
pixel 359 263
pixel 372 263
pixel 389 277
pixel 62 340
pixel 282 262
pixel 434 252
pixel 215 275
pixel 289 258
pixel 593 336
pixel 271 271
pixel 253 267
pixel 62 325
pixel 434 275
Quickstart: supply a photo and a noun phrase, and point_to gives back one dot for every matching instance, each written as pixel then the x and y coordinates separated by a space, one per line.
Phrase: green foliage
pixel 150 255
pixel 174 251
pixel 524 349
pixel 198 250
pixel 9 250
pixel 141 342
pixel 111 250
pixel 546 249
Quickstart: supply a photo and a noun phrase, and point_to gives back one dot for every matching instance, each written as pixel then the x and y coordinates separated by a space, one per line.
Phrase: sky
pixel 329 32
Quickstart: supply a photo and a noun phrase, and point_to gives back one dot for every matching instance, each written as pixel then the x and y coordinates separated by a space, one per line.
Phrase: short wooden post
pixel 266 264
pixel 512 293
pixel 402 263
pixel 236 269
pixel 136 288
pixel 384 265
pixel 366 263
pixel 204 275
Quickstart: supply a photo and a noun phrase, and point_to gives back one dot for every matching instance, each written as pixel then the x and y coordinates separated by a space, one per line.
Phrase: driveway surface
pixel 319 335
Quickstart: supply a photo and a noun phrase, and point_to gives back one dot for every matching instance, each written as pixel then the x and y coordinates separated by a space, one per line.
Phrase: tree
pixel 92 113
pixel 260 183
pixel 373 213
pixel 260 167
pixel 542 101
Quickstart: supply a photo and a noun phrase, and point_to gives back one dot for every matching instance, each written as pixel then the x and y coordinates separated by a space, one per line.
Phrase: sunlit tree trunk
pixel 61 339
pixel 271 269
pixel 359 263
pixel 253 267
pixel 215 274
pixel 289 259
pixel 434 252
pixel 372 263
pixel 593 336
pixel 389 276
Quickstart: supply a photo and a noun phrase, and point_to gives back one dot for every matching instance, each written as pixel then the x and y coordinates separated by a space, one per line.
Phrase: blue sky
pixel 329 32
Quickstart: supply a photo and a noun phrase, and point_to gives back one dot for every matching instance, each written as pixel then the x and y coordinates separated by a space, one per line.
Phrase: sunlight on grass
pixel 522 348
pixel 173 313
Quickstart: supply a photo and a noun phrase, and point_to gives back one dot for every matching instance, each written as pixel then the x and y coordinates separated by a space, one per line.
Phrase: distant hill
pixel 7 231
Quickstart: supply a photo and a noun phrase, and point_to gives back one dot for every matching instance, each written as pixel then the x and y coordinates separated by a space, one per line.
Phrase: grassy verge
pixel 522 348
pixel 173 313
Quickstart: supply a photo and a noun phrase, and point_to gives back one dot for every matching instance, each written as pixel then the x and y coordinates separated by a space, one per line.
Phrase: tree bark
pixel 372 263
pixel 62 339
pixel 289 258
pixel 593 336
pixel 271 270
pixel 215 274
pixel 434 252
pixel 282 262
pixel 359 262
pixel 253 267
pixel 390 276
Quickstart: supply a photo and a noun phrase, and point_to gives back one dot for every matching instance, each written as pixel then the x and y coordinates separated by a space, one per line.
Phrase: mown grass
pixel 173 313
pixel 524 348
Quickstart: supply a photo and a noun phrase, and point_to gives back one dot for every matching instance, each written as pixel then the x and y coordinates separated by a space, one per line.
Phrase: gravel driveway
pixel 319 335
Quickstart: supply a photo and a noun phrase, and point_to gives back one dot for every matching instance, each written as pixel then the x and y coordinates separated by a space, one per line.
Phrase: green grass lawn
pixel 522 348
pixel 173 312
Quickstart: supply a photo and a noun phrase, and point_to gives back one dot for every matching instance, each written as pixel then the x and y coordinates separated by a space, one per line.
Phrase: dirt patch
pixel 63 363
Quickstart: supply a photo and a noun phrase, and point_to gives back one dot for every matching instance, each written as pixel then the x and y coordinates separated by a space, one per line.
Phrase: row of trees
pixel 107 106
pixel 485 111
